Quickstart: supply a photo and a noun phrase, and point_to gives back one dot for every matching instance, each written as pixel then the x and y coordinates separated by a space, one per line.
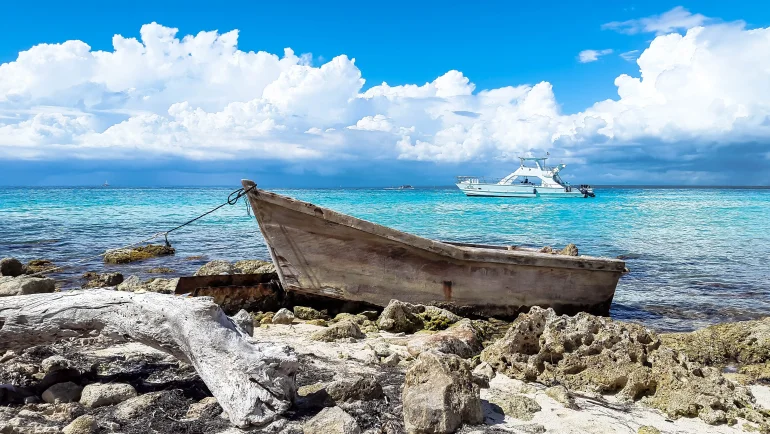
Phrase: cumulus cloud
pixel 674 20
pixel 587 56
pixel 200 97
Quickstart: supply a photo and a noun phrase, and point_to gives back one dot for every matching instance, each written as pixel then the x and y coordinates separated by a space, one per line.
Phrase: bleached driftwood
pixel 253 382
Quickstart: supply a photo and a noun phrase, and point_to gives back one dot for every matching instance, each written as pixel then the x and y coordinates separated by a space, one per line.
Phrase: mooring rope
pixel 232 199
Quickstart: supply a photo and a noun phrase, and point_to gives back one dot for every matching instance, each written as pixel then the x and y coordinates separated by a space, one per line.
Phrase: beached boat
pixel 322 252
pixel 528 181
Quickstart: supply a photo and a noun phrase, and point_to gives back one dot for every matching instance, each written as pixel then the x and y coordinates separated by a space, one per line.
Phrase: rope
pixel 232 199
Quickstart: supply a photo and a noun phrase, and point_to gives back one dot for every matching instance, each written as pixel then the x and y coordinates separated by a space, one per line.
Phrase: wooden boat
pixel 321 252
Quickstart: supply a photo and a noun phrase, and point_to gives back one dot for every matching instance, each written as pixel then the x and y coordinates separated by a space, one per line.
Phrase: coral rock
pixel 439 394
pixel 599 355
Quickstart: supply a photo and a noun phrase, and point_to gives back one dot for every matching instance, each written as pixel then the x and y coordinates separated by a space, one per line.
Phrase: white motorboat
pixel 527 181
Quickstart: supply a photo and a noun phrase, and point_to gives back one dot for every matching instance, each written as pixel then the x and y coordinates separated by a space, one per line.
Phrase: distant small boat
pixel 322 252
pixel 402 187
pixel 106 184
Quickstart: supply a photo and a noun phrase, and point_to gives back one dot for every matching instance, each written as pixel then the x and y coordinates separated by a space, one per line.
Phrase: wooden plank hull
pixel 322 252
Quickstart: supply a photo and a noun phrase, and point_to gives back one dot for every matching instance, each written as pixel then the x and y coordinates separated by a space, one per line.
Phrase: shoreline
pixel 383 348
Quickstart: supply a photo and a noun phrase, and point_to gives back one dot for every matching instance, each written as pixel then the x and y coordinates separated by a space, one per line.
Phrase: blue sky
pixel 492 45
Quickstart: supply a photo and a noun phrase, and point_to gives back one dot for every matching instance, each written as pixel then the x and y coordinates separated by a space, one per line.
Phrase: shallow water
pixel 697 256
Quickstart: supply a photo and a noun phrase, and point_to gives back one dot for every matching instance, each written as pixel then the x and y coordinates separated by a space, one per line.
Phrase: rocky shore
pixel 404 368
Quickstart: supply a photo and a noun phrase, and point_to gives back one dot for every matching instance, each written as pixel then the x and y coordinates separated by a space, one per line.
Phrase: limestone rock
pixel 391 360
pixel 62 392
pixel 745 343
pixel 400 317
pixel 38 265
pixel 283 316
pixel 462 339
pixel 160 270
pixel 136 406
pixel 266 318
pixel 332 420
pixel 436 318
pixel 345 316
pixel 85 424
pixel 517 406
pixel 599 355
pixel 354 388
pixel 562 395
pixel 253 266
pixel 317 322
pixel 646 429
pixel 155 284
pixel 124 256
pixel 23 285
pixel 307 313
pixel 244 320
pixel 208 407
pixel 215 268
pixel 96 280
pixel 55 363
pixel 569 250
pixel 483 374
pixel 439 394
pixel 340 330
pixel 11 267
pixel 98 395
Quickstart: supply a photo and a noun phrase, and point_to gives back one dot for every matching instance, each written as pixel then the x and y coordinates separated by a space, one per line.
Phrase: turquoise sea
pixel 697 256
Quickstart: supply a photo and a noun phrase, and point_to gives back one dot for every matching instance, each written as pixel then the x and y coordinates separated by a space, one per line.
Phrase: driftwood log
pixel 253 382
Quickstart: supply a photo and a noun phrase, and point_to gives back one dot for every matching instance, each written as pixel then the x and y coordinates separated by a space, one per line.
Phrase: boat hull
pixel 321 252
pixel 515 190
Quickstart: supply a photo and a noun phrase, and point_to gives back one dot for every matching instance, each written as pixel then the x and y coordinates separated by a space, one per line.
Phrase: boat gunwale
pixel 496 254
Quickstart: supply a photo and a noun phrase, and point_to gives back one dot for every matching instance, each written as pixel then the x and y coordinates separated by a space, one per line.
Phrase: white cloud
pixel 200 97
pixel 630 56
pixel 373 123
pixel 676 19
pixel 587 56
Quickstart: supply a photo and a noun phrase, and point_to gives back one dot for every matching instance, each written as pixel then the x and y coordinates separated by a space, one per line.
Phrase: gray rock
pixel 156 284
pixel 332 420
pixel 339 330
pixel 391 360
pixel 400 317
pixel 215 268
pixel 562 395
pixel 105 280
pixel 253 266
pixel 462 339
pixel 11 267
pixel 23 285
pixel 483 374
pixel 98 395
pixel 62 392
pixel 436 318
pixel 55 363
pixel 85 424
pixel 307 313
pixel 136 406
pixel 205 407
pixel 283 316
pixel 245 321
pixel 439 394
pixel 517 406
pixel 354 388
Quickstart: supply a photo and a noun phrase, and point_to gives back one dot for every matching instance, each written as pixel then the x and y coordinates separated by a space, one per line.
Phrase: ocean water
pixel 697 256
